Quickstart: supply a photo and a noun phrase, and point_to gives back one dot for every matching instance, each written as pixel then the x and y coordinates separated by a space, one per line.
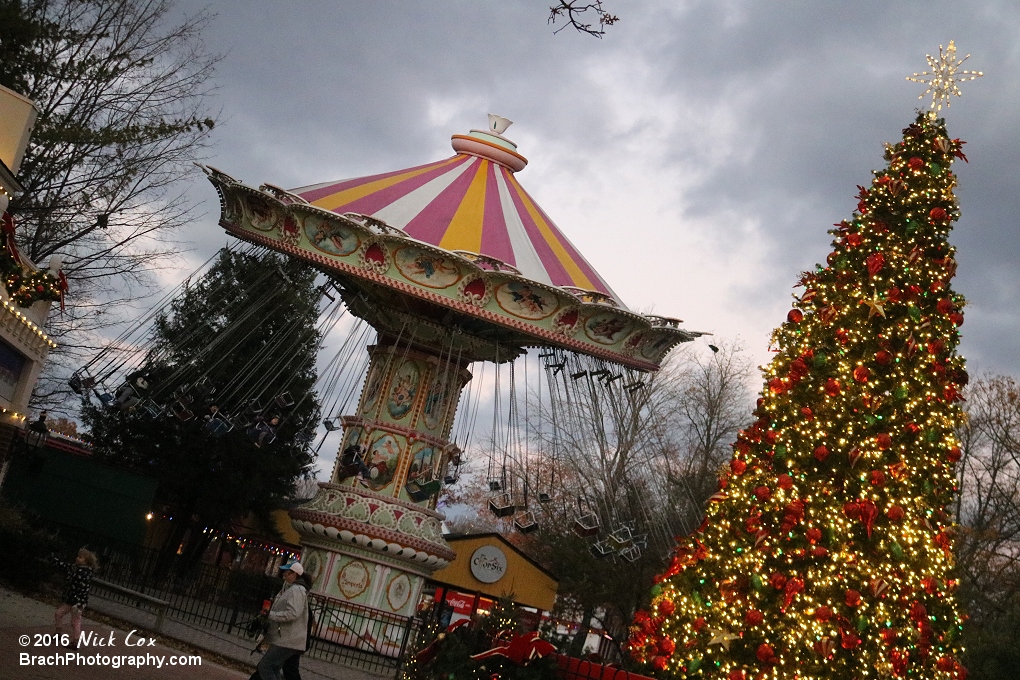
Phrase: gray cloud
pixel 697 155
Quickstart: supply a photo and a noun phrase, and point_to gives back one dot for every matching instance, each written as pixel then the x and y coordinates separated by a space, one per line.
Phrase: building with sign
pixel 487 567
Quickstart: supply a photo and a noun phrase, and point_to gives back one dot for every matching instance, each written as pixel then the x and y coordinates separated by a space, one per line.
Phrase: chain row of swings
pixel 569 395
pixel 258 398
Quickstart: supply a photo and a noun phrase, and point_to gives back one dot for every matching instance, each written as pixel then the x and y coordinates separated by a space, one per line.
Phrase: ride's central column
pixel 372 535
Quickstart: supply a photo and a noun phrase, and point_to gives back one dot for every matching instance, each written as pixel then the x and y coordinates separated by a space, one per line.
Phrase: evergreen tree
pixel 247 330
pixel 828 549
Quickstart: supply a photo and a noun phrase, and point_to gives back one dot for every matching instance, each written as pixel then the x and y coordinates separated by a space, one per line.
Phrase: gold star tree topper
pixel 945 73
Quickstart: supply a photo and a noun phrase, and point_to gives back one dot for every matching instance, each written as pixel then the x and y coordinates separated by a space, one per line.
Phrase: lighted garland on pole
pixel 26 285
pixel 828 551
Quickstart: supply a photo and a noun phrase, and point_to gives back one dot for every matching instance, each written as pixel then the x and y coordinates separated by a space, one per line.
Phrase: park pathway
pixel 26 620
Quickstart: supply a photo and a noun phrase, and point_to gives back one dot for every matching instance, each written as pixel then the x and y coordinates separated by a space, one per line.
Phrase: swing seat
pixel 525 522
pixel 621 538
pixel 544 497
pixel 420 491
pixel 631 554
pixel 330 425
pixel 80 382
pixel 150 410
pixel 586 526
pixel 449 479
pixel 107 399
pixel 502 505
pixel 495 485
pixel 285 400
pixel 600 549
pixel 203 387
pixel 181 411
pixel 217 426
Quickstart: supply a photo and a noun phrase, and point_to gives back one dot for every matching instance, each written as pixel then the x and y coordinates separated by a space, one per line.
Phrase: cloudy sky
pixel 696 155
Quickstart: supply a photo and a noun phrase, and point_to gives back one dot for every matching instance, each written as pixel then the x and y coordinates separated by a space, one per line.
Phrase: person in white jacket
pixel 288 625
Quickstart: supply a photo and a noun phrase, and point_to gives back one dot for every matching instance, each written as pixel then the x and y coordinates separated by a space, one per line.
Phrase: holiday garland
pixel 26 285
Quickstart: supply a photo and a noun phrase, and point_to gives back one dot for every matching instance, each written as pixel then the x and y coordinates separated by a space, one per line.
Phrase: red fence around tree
pixel 582 669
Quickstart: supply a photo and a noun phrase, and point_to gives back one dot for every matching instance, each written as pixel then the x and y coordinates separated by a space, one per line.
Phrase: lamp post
pixel 36 434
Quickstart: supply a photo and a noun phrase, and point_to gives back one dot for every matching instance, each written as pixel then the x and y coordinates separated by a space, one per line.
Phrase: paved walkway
pixel 21 616
pixel 26 628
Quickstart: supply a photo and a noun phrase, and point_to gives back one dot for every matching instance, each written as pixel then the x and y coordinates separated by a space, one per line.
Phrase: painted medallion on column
pixel 381 460
pixel 521 299
pixel 405 387
pixel 353 579
pixel 330 236
pixel 312 561
pixel 373 385
pixel 428 269
pixel 423 461
pixel 436 401
pixel 398 592
pixel 353 435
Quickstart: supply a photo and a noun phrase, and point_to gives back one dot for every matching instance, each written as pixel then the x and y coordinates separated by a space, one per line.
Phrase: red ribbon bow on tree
pixel 521 649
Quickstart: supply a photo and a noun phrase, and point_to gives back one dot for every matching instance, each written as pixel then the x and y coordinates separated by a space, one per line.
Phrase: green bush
pixel 26 549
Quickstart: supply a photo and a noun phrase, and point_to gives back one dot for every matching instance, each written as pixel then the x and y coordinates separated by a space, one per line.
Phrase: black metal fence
pixel 228 600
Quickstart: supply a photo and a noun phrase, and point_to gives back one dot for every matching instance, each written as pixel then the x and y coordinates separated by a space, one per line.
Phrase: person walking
pixel 292 667
pixel 76 591
pixel 288 625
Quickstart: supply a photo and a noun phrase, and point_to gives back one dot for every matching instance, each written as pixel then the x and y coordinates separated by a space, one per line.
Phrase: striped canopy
pixel 470 202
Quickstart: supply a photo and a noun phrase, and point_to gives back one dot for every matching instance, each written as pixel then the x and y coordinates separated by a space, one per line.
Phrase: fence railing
pixel 228 600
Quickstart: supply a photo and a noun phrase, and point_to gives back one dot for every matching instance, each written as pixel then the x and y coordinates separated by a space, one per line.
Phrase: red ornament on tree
pixel 848 639
pixel 825 648
pixel 916 163
pixel 795 316
pixel 954 454
pixel 883 441
pixel 832 387
pixel 938 214
pixel 875 262
pixel 823 614
pixel 853 598
pixel 861 374
pixel 821 452
pixel 754 618
pixel 895 513
pixel 785 482
pixel 883 357
pixel 765 653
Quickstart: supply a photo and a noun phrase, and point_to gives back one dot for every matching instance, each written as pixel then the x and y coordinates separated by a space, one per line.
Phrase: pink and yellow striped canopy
pixel 468 202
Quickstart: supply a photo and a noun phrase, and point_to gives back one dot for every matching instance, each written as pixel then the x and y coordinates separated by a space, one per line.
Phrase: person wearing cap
pixel 288 624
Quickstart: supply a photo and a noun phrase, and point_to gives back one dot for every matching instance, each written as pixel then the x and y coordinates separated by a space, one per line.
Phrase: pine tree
pixel 828 550
pixel 248 327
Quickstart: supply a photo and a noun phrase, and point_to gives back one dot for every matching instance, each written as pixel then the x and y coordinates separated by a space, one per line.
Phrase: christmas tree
pixel 827 551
